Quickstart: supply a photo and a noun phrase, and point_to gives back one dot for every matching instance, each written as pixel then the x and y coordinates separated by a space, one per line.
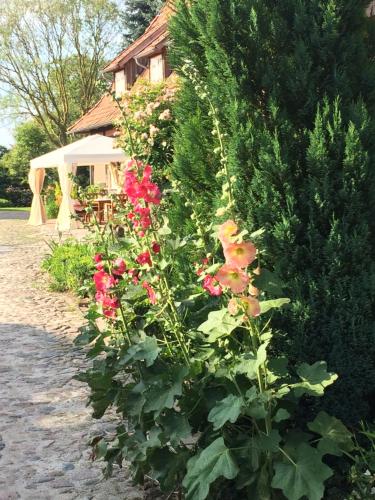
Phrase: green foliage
pixel 70 267
pixel 4 203
pixel 51 59
pixel 138 15
pixel 148 117
pixel 290 86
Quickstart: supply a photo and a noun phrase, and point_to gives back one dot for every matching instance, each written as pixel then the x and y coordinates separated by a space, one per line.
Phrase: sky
pixel 6 137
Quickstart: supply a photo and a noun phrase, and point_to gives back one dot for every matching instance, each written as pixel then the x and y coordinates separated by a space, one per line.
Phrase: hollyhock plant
pixel 251 306
pixel 150 292
pixel 240 254
pixel 119 267
pixel 232 277
pixel 98 257
pixel 226 230
pixel 155 247
pixel 103 281
pixel 144 258
pixel 212 286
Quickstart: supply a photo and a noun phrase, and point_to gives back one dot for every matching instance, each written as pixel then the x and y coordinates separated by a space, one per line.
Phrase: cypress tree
pixel 293 84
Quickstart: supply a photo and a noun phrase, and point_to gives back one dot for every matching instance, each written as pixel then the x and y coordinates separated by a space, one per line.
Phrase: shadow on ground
pixel 13 214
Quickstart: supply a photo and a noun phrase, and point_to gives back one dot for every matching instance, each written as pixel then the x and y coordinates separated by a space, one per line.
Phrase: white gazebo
pixel 92 150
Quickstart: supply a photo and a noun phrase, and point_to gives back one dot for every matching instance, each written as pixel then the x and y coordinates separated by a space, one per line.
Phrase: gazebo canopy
pixel 87 151
pixel 92 150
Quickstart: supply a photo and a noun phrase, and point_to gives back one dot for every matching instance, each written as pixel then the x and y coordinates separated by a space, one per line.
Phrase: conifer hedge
pixel 294 85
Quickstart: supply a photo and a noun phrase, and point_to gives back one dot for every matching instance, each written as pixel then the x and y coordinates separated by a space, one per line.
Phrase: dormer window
pixel 157 68
pixel 120 83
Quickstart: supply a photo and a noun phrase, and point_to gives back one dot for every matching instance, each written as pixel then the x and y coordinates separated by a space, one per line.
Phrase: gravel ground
pixel 45 426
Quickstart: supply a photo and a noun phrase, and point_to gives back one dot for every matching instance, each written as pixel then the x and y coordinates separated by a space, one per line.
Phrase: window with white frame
pixel 157 69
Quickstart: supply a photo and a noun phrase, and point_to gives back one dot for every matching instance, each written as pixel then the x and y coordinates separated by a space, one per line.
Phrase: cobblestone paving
pixel 44 424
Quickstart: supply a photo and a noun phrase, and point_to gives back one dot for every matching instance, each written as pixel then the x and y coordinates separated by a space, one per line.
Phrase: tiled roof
pixel 156 30
pixel 103 114
pixel 156 46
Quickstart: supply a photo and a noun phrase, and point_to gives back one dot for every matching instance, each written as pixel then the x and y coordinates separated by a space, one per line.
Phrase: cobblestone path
pixel 44 424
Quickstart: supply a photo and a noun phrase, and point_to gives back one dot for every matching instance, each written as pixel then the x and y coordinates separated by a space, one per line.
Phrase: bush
pixel 70 267
pixel 19 196
pixel 290 86
pixel 4 203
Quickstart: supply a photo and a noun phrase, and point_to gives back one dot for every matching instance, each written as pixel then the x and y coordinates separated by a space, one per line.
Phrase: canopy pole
pixel 64 218
pixel 37 211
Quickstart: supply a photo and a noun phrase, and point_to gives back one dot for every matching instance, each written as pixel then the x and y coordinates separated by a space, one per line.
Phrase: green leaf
pixel 268 282
pixel 247 366
pixel 134 292
pixel 163 396
pixel 219 324
pixel 336 437
pixel 228 409
pixel 281 415
pixel 304 477
pixel 315 379
pixel 176 427
pixel 267 305
pixel 146 350
pixel 213 462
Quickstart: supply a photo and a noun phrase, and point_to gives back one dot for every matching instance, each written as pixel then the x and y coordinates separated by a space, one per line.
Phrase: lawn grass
pixel 15 209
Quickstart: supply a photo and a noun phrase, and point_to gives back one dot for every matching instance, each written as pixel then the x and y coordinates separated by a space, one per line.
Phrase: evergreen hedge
pixel 293 82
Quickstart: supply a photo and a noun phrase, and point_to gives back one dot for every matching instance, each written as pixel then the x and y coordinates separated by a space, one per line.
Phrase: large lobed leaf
pixel 215 461
pixel 219 324
pixel 303 478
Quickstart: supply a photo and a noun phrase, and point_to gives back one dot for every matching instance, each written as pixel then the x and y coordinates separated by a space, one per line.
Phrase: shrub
pixel 70 267
pixel 290 85
pixel 4 203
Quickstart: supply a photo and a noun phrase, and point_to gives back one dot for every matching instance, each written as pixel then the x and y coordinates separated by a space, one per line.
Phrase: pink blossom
pixel 103 281
pixel 119 267
pixel 239 254
pixel 150 292
pixel 209 283
pixel 98 258
pixel 155 247
pixel 144 258
pixel 232 277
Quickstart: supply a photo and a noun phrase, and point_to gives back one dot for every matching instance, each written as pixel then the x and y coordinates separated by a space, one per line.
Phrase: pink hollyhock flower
pixel 253 290
pixel 251 306
pixel 153 194
pixel 144 258
pixel 110 302
pixel 155 247
pixel 147 172
pixel 99 296
pixel 205 261
pixel 226 230
pixel 133 273
pixel 239 254
pixel 232 277
pixel 98 258
pixel 233 306
pixel 99 266
pixel 209 283
pixel 109 313
pixel 103 281
pixel 119 267
pixel 150 292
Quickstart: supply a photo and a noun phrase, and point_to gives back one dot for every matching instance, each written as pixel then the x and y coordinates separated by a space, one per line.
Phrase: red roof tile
pixel 156 30
pixel 102 115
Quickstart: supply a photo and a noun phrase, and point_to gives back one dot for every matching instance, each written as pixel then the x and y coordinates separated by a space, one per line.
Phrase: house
pixel 146 57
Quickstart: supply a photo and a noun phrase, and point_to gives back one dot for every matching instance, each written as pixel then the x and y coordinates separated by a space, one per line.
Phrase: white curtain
pixel 37 212
pixel 116 176
pixel 64 218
